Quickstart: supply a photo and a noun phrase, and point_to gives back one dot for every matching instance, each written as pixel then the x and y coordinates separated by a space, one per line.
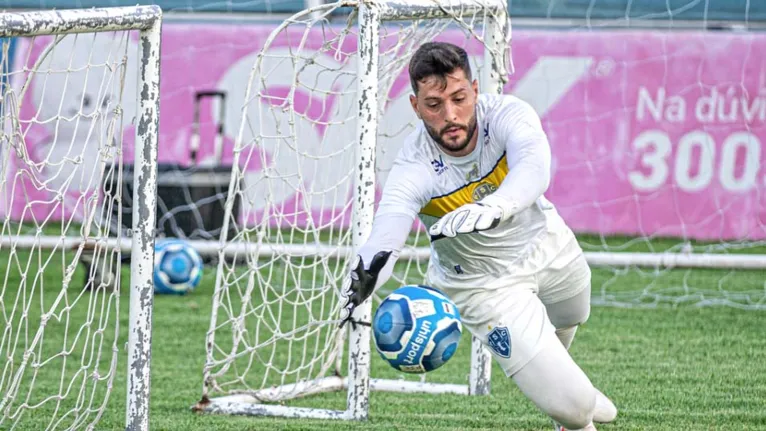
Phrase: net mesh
pixel 276 300
pixel 658 146
pixel 62 148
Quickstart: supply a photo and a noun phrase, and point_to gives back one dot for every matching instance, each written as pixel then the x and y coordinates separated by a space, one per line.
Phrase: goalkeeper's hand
pixel 360 283
pixel 483 215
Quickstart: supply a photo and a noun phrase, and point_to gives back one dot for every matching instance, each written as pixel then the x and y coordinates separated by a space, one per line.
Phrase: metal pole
pixel 364 201
pixel 144 219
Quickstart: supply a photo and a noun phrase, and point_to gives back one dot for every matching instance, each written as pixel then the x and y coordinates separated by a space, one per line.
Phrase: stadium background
pixel 634 86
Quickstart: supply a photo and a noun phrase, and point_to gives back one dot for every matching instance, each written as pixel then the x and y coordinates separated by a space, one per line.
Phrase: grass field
pixel 666 368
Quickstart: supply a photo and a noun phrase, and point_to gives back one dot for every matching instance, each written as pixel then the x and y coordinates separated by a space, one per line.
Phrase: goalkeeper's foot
pixel 558 427
pixel 605 411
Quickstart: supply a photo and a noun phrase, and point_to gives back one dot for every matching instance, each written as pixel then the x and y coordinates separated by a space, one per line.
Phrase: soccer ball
pixel 177 267
pixel 417 329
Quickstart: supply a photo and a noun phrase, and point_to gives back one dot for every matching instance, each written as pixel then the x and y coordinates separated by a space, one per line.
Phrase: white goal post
pixel 274 331
pixel 85 80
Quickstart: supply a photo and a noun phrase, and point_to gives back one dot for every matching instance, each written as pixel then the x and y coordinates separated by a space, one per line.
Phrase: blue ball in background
pixel 417 329
pixel 177 267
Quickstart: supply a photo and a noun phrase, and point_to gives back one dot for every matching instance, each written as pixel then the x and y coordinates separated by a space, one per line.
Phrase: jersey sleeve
pixel 518 127
pixel 405 193
pixel 407 189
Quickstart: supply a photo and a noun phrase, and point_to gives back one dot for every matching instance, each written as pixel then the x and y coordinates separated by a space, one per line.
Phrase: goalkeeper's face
pixel 447 106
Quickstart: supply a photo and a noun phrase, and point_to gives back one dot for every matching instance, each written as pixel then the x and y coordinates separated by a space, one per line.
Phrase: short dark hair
pixel 437 59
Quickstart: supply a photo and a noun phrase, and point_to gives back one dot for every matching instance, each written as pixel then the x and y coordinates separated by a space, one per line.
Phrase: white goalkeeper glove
pixel 483 215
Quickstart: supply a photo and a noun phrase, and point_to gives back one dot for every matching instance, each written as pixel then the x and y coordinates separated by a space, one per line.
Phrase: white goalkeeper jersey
pixel 511 159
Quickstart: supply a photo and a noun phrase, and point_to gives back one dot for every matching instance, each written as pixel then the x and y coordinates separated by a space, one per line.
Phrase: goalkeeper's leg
pixel 568 314
pixel 558 387
pixel 512 322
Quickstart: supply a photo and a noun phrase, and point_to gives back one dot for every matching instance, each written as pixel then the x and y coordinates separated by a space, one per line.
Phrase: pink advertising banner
pixel 652 133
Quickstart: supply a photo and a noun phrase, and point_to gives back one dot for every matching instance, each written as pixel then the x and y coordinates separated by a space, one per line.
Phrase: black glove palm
pixel 360 283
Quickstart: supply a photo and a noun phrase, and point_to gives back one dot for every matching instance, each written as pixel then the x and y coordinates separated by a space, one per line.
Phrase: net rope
pixel 59 305
pixel 704 179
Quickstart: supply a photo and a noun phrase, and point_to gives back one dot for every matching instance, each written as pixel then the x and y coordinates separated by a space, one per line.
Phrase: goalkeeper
pixel 475 172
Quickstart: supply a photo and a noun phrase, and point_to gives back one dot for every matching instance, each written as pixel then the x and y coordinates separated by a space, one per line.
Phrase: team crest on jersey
pixel 483 190
pixel 499 339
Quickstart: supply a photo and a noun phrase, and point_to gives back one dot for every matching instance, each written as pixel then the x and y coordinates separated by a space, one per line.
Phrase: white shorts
pixel 508 313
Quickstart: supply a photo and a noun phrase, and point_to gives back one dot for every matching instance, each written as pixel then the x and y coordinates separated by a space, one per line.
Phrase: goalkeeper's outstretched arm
pixel 406 191
pixel 375 260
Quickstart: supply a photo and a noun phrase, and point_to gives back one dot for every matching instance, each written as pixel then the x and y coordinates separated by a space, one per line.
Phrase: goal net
pixel 657 145
pixel 313 137
pixel 79 99
pixel 657 153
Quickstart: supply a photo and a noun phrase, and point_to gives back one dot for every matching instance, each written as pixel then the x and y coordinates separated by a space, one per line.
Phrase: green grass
pixel 666 367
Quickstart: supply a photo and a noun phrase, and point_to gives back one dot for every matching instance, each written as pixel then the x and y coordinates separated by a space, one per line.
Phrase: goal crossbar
pixel 71 21
pixel 409 10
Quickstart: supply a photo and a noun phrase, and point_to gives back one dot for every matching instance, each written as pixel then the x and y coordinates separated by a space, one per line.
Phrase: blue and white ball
pixel 177 267
pixel 417 329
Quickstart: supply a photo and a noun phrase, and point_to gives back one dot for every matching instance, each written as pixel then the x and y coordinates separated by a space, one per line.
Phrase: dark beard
pixel 457 146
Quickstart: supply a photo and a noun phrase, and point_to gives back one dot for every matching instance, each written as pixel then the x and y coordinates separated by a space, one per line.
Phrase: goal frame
pixel 148 21
pixel 358 383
